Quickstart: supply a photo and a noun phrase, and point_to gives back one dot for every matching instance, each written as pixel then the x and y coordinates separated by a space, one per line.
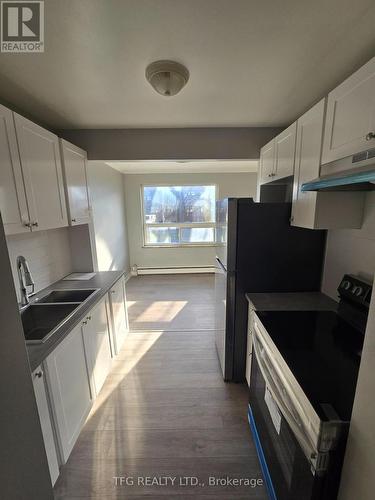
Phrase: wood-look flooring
pixel 164 410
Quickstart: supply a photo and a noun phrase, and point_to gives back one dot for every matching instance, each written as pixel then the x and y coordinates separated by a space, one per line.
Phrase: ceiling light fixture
pixel 167 77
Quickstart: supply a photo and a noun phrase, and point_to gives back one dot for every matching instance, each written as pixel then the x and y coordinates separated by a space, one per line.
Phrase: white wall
pixel 236 185
pixel 48 254
pixel 108 206
pixel 351 251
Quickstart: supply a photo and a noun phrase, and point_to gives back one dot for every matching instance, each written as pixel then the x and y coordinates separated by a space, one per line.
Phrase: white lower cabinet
pixel 249 347
pixel 69 389
pixel 97 345
pixel 45 423
pixel 119 317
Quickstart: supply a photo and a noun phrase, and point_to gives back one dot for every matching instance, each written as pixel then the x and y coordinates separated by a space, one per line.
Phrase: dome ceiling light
pixel 167 77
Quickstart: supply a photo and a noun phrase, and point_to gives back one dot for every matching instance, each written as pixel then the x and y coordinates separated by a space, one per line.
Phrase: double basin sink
pixel 46 314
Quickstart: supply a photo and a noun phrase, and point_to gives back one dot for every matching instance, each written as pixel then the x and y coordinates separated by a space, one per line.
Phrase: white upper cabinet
pixel 13 204
pixel 267 162
pixel 350 121
pixel 319 210
pixel 42 172
pixel 74 164
pixel 120 326
pixel 97 345
pixel 285 146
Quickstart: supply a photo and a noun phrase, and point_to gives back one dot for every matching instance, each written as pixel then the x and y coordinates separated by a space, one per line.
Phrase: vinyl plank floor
pixel 164 410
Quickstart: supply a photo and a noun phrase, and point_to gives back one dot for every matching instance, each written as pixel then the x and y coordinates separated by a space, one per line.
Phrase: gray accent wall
pixel 171 144
pixel 24 472
pixel 235 185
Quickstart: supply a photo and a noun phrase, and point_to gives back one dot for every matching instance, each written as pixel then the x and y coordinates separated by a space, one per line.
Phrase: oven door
pixel 285 428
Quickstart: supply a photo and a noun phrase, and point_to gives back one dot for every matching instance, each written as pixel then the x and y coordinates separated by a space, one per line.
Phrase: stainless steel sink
pixel 64 296
pixel 40 321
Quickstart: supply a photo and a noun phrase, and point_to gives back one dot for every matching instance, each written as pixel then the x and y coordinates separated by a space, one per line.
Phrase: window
pixel 179 215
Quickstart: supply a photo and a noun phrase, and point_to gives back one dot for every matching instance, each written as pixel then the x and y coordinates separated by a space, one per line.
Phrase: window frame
pixel 178 225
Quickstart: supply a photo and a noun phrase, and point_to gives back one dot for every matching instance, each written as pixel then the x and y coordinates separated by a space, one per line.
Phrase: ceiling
pixel 251 62
pixel 184 166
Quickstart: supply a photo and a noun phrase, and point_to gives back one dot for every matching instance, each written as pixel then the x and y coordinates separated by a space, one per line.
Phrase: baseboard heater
pixel 173 270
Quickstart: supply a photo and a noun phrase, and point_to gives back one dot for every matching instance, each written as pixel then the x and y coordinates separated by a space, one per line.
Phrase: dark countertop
pixel 103 280
pixel 295 301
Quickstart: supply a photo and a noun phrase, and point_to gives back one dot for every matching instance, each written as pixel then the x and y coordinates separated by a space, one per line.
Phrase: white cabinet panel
pixel 319 210
pixel 307 165
pixel 351 115
pixel 74 163
pixel 13 204
pixel 69 389
pixel 249 347
pixel 97 345
pixel 285 145
pixel 42 172
pixel 45 423
pixel 119 319
pixel 267 162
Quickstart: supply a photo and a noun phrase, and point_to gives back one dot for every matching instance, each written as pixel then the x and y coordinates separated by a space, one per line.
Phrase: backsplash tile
pixel 48 254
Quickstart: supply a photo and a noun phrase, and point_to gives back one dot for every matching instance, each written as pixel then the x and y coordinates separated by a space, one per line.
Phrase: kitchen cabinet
pixel 249 346
pixel 13 203
pixel 350 120
pixel 45 423
pixel 74 162
pixel 319 210
pixel 97 345
pixel 119 317
pixel 285 145
pixel 267 162
pixel 42 173
pixel 69 389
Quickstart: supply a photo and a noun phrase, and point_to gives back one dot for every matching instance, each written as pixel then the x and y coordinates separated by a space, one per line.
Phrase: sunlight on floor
pixel 160 310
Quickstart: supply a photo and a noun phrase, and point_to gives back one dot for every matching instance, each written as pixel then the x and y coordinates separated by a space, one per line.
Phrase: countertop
pixel 102 280
pixel 295 301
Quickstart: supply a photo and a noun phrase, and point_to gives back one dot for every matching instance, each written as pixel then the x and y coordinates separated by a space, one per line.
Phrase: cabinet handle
pixel 74 220
pixel 88 318
pixel 27 224
pixel 38 374
pixel 291 219
pixel 84 322
pixel 35 224
pixel 370 135
pixel 113 291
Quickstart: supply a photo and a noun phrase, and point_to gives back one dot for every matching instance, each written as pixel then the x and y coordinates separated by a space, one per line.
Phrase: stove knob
pixel 346 285
pixel 357 290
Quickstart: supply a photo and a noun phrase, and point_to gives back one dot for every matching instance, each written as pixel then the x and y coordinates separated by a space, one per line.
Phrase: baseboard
pixel 176 270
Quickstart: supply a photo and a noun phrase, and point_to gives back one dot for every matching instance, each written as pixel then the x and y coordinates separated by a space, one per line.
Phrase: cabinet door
pixel 74 164
pixel 12 192
pixel 97 345
pixel 267 162
pixel 119 314
pixel 285 146
pixel 45 423
pixel 308 150
pixel 351 115
pixel 69 389
pixel 42 172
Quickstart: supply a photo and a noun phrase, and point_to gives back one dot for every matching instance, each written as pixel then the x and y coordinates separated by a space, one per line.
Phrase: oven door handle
pixel 318 460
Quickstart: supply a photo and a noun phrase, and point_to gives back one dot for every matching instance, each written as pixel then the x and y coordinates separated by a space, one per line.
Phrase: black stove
pixel 323 352
pixel 303 378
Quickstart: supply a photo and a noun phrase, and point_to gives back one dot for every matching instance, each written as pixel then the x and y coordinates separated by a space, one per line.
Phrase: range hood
pixel 341 176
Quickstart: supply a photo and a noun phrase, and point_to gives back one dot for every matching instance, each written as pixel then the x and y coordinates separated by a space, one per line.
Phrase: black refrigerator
pixel 257 250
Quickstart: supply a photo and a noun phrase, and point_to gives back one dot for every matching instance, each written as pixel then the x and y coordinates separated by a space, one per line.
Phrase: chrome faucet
pixel 25 280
